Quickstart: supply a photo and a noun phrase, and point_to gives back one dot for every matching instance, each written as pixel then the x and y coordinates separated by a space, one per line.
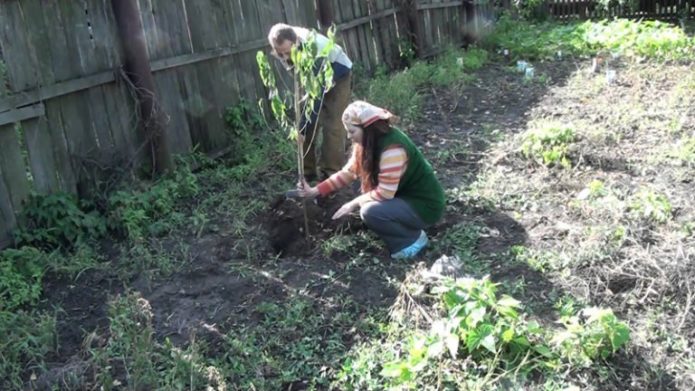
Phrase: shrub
pixel 27 338
pixel 21 273
pixel 58 220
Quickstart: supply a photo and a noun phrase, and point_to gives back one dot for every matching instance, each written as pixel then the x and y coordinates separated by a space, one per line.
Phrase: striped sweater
pixel 392 164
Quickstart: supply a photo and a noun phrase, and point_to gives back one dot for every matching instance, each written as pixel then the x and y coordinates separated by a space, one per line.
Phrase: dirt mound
pixel 284 222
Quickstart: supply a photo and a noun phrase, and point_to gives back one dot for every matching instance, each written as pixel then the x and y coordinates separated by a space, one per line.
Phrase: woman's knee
pixel 370 212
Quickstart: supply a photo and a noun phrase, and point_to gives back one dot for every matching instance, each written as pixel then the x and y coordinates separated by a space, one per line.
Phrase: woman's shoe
pixel 412 250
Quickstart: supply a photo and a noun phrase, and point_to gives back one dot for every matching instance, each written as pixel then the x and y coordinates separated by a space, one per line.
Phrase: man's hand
pixel 346 209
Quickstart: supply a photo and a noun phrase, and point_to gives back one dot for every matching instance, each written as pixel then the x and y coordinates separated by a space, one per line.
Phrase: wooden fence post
pixel 470 28
pixel 413 25
pixel 137 68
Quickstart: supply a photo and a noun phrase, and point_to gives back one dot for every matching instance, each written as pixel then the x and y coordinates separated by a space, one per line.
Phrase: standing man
pixel 283 38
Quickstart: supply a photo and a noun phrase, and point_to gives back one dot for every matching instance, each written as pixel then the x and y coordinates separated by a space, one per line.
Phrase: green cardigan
pixel 418 186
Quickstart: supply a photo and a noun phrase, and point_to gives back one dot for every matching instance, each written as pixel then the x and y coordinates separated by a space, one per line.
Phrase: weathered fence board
pixel 13 168
pixel 7 217
pixel 41 157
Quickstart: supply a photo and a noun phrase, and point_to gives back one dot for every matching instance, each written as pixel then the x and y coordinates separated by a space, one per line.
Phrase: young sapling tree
pixel 312 77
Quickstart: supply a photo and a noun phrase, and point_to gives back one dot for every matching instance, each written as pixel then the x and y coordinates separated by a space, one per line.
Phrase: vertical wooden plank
pixel 247 29
pixel 7 217
pixel 203 20
pixel 170 36
pixel 175 86
pixel 54 67
pixel 37 134
pixel 41 158
pixel 382 36
pixel 75 108
pixel 103 48
pixel 350 39
pixel 13 168
pixel 15 46
pixel 354 11
pixel 426 16
pixel 388 24
pixel 376 34
pixel 362 9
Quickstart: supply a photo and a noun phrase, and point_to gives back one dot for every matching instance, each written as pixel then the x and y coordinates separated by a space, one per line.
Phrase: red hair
pixel 366 154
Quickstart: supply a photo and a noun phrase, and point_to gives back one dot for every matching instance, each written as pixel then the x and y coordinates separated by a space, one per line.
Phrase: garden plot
pixel 568 191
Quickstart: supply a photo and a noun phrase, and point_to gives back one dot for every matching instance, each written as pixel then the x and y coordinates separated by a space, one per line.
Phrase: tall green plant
pixel 312 76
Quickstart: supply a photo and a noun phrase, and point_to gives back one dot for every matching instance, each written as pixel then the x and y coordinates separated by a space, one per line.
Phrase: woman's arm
pixel 392 165
pixel 338 180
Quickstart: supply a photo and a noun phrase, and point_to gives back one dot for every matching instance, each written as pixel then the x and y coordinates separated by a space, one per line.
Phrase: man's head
pixel 282 38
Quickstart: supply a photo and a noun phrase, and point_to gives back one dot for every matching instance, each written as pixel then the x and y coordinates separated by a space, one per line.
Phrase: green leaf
pixel 489 343
pixel 395 369
pixel 452 343
pixel 435 349
pixel 508 301
pixel 476 316
pixel 620 336
pixel 543 351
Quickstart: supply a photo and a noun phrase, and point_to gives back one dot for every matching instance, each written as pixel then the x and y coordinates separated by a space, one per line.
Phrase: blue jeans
pixel 394 221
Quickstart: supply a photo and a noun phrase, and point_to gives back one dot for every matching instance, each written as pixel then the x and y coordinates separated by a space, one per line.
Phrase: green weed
pixel 337 244
pixel 397 93
pixel 630 38
pixel 27 338
pixel 595 333
pixel 492 330
pixel 58 220
pixel 684 151
pixel 132 358
pixel 649 205
pixel 21 273
pixel 547 143
pixel 150 210
pixel 542 261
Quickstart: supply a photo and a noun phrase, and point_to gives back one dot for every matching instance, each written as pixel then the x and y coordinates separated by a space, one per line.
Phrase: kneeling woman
pixel 400 193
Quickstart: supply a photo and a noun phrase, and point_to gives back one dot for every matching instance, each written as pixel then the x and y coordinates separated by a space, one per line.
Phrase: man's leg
pixel 394 221
pixel 334 138
pixel 310 152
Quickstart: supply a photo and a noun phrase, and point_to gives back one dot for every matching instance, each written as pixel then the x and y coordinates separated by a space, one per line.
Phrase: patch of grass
pixel 543 261
pixel 630 38
pixel 651 206
pixel 27 337
pixel 294 342
pixel 131 358
pixel 483 337
pixel 152 259
pixel 338 244
pixel 402 92
pixel 397 93
pixel 684 151
pixel 58 220
pixel 547 143
pixel 21 273
pixel 149 209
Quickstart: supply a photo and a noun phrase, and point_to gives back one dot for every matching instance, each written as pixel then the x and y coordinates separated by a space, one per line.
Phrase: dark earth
pixel 208 296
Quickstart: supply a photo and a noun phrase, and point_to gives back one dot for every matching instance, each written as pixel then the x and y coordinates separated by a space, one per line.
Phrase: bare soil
pixel 219 289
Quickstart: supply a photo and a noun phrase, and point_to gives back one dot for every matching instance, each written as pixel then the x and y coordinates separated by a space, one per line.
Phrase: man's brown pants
pixel 332 156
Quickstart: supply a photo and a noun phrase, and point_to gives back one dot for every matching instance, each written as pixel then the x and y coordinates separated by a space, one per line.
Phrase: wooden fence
pixel 68 114
pixel 672 10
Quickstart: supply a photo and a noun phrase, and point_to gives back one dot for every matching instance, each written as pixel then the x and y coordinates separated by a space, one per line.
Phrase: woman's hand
pixel 304 190
pixel 346 209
